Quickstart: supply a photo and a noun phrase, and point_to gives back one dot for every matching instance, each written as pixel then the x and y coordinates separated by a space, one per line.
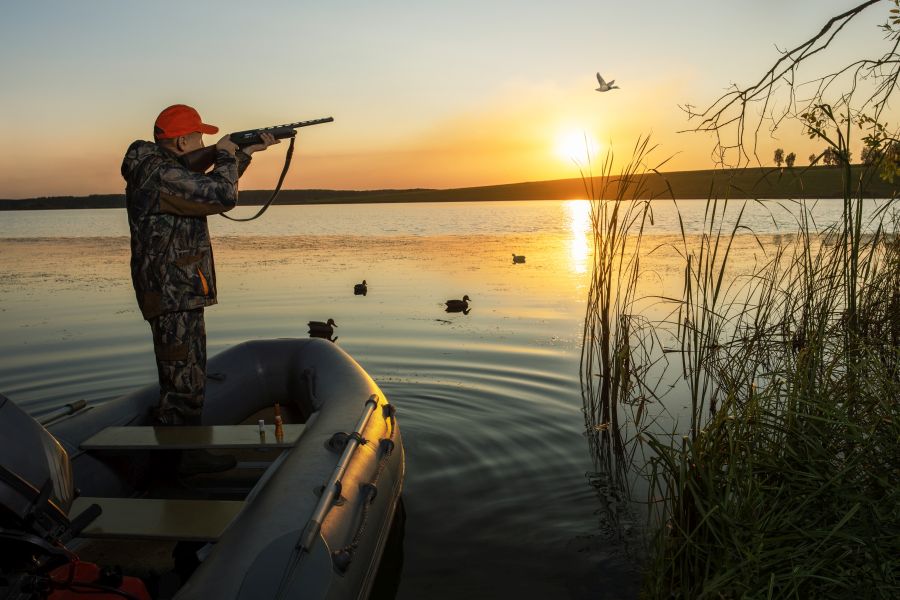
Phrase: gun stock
pixel 201 160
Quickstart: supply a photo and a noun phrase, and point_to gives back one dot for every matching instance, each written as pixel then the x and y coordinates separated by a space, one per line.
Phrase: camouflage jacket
pixel 171 254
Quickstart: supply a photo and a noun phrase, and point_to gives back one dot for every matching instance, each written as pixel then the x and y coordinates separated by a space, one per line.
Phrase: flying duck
pixel 604 86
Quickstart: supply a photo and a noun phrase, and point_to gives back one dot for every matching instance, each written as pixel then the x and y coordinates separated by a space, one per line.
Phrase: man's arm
pixel 243 154
pixel 183 192
pixel 186 193
pixel 243 160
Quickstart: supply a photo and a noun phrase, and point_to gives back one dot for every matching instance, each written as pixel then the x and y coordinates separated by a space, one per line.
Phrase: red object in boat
pixel 82 580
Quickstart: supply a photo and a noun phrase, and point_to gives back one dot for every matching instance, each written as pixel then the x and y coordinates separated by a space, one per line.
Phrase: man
pixel 172 265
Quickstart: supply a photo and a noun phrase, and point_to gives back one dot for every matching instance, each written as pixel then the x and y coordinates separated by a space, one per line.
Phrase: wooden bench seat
pixel 152 519
pixel 189 437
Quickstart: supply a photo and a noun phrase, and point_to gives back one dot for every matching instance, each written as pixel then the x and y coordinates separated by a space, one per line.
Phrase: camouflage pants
pixel 179 342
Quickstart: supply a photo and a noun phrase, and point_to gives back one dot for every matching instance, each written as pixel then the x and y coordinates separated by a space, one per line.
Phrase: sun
pixel 578 146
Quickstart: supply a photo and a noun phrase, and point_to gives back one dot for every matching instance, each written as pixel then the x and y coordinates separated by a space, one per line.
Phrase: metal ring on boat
pixel 337 442
pixel 372 490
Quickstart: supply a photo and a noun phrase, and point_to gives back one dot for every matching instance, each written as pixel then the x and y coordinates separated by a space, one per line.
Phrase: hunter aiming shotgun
pixel 201 160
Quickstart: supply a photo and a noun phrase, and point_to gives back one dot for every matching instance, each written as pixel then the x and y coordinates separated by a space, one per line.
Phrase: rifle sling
pixel 287 164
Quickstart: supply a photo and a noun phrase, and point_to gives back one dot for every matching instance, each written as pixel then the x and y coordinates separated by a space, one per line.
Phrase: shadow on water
pixel 387 581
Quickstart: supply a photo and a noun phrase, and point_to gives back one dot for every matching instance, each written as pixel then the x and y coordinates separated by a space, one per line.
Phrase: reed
pixel 787 482
pixel 789 487
pixel 618 350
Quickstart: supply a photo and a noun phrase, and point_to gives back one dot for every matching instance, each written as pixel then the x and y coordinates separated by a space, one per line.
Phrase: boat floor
pixel 165 564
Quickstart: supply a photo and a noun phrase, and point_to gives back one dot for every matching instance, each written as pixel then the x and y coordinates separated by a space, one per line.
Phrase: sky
pixel 424 94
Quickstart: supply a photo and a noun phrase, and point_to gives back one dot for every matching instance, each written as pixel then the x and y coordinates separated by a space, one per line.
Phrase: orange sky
pixel 422 96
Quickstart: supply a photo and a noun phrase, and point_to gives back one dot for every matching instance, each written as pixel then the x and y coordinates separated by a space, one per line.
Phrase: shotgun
pixel 201 160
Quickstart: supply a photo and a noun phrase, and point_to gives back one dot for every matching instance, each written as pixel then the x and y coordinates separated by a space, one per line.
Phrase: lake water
pixel 498 503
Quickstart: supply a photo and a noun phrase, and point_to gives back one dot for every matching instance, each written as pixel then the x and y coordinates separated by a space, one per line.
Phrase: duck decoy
pixel 518 258
pixel 360 289
pixel 459 305
pixel 322 330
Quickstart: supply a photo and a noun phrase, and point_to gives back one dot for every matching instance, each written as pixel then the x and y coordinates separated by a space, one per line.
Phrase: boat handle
pixel 64 411
pixel 333 486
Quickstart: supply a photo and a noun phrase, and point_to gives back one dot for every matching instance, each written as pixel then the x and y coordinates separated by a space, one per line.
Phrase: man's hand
pixel 267 140
pixel 226 144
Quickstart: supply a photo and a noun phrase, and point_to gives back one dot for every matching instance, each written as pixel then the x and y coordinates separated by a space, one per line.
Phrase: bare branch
pixel 737 117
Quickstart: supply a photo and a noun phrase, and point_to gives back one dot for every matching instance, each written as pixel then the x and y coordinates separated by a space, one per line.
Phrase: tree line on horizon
pixel 829 157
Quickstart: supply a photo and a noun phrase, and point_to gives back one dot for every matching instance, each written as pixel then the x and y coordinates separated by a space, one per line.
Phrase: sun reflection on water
pixel 578 215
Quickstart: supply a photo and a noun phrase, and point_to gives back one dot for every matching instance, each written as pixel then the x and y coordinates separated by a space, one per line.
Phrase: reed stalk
pixel 618 347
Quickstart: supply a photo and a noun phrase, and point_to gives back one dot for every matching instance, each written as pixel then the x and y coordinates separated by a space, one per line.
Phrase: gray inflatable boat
pixel 305 514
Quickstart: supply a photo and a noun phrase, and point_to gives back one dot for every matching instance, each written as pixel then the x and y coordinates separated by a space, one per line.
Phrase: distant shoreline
pixel 761 182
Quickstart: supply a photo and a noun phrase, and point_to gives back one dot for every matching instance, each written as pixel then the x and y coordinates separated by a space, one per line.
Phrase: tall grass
pixel 616 359
pixel 787 482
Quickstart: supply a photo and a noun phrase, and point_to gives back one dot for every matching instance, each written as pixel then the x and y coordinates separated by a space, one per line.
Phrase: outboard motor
pixel 36 492
pixel 35 479
pixel 31 461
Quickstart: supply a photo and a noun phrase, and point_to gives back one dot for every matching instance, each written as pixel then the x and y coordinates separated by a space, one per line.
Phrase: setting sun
pixel 578 146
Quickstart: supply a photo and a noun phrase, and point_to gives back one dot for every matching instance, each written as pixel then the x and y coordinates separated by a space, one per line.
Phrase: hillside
pixel 769 183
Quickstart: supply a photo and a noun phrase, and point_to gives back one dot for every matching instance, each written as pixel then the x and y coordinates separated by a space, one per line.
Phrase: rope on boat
pixel 343 556
pixel 330 494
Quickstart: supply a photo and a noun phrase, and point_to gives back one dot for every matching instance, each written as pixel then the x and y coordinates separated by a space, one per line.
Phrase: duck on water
pixel 459 305
pixel 322 329
pixel 306 512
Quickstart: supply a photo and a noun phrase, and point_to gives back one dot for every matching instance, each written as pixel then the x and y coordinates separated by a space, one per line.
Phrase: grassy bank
pixel 783 482
pixel 786 485
pixel 811 182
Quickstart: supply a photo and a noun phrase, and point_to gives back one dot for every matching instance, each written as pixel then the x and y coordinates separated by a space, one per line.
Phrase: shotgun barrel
pixel 201 160
pixel 253 136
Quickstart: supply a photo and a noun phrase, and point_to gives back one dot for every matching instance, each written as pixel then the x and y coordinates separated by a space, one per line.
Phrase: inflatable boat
pixel 305 513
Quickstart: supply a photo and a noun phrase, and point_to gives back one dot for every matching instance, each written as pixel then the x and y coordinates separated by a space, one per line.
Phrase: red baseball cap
pixel 180 119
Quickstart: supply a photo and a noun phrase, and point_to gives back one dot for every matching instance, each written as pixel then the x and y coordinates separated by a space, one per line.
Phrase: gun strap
pixel 287 164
